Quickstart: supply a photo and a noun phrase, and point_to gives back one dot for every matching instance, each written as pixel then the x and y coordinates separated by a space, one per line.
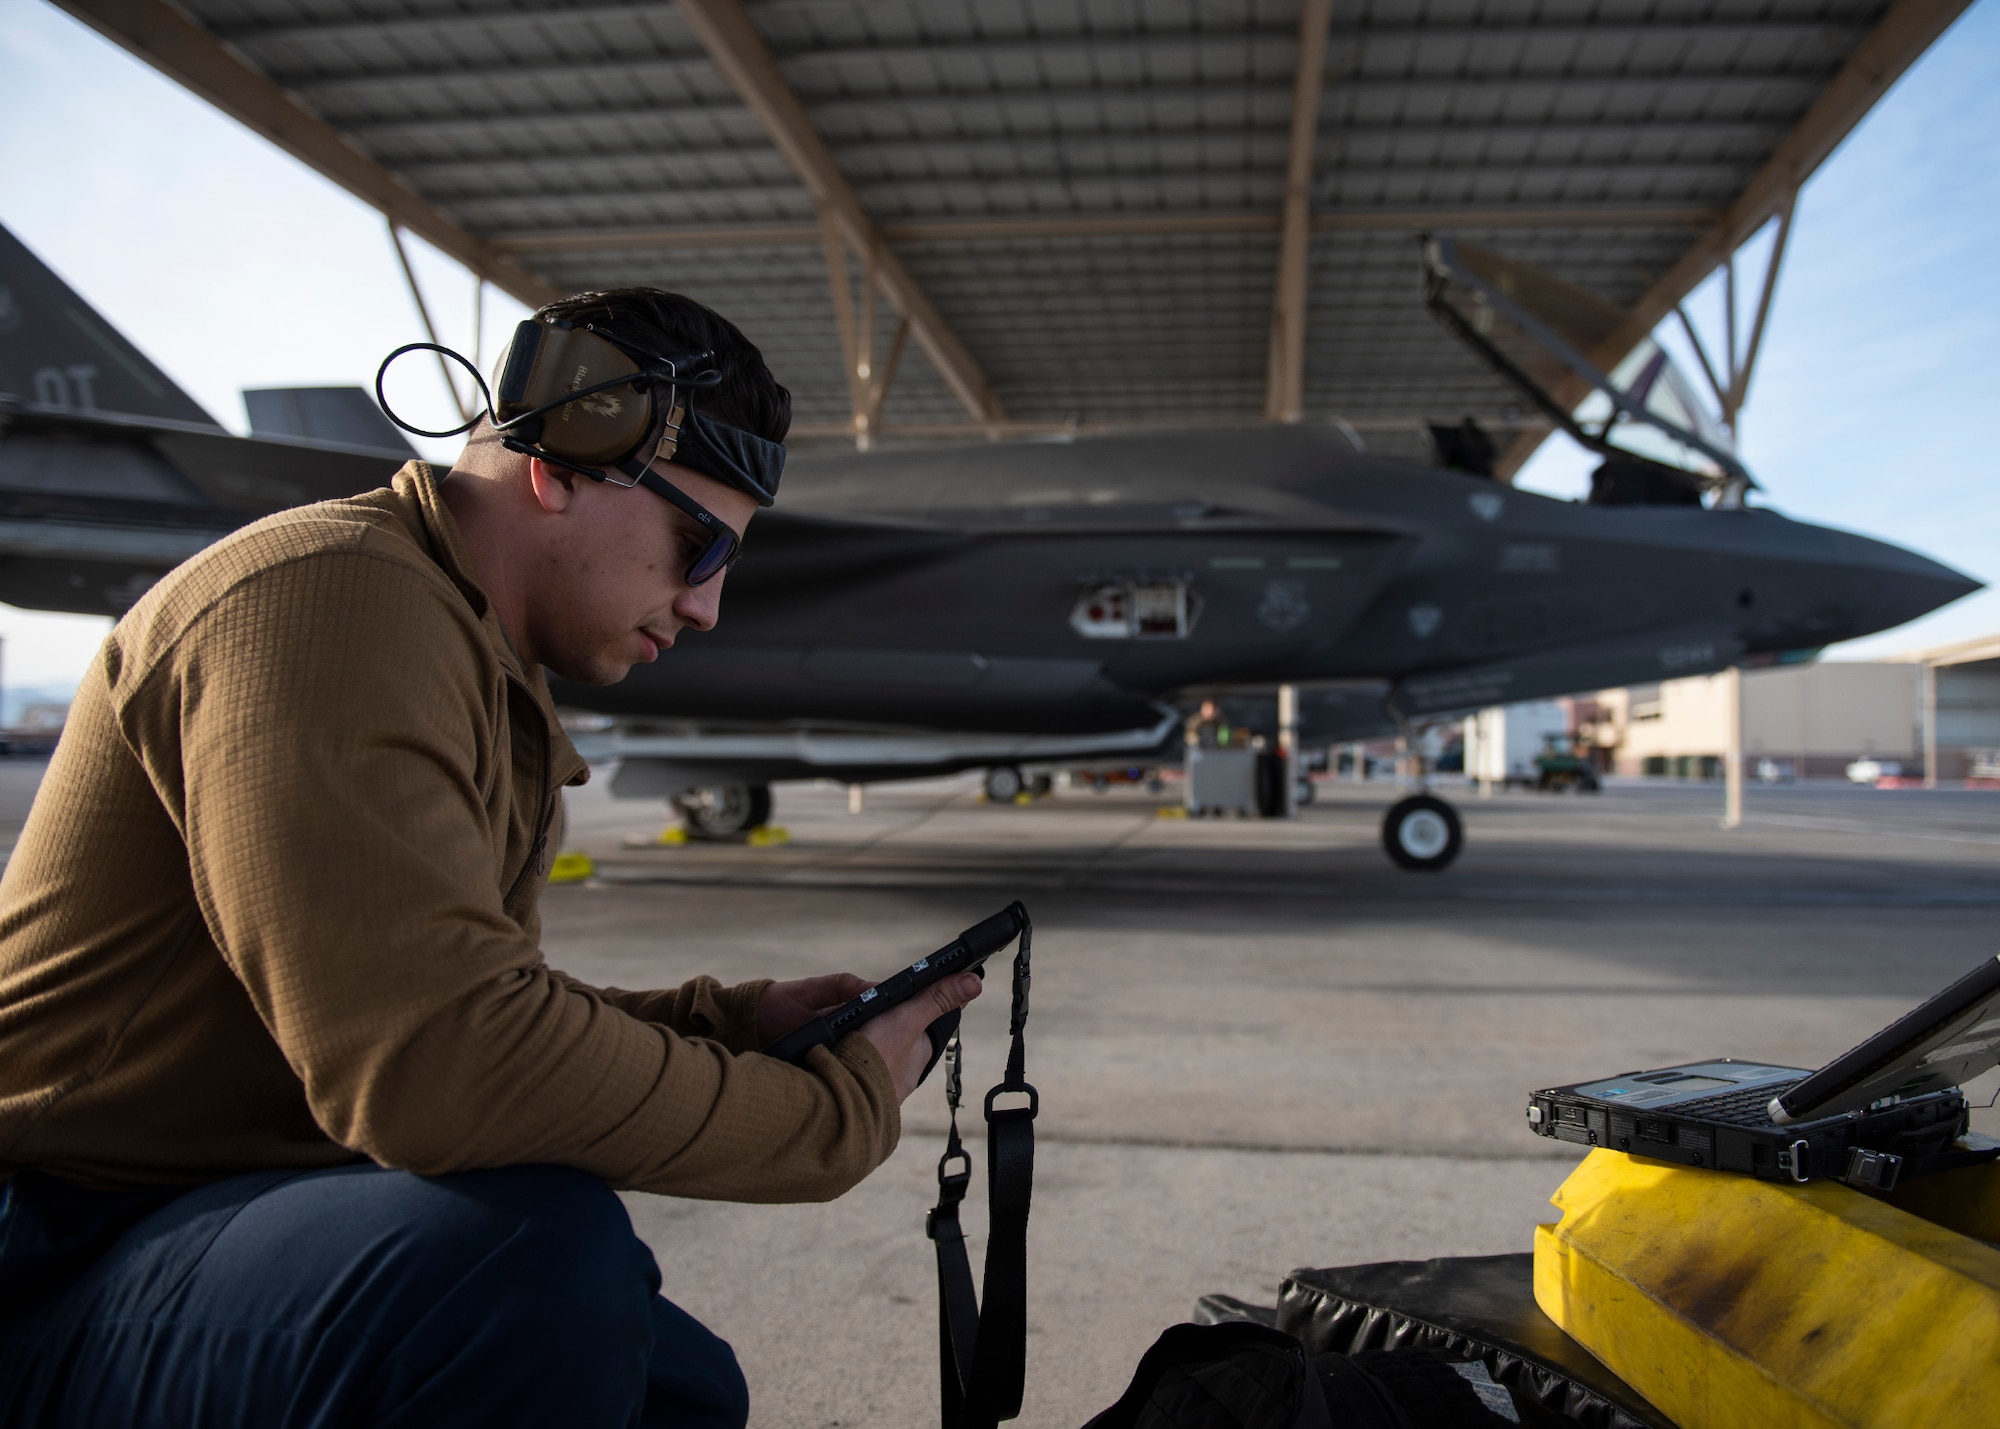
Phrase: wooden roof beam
pixel 1905 32
pixel 165 38
pixel 745 63
pixel 1284 374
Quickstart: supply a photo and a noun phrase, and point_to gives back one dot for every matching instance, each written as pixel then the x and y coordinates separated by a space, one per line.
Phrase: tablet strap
pixel 982 1341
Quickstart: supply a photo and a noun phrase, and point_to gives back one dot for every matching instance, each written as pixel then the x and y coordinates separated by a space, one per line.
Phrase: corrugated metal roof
pixel 521 121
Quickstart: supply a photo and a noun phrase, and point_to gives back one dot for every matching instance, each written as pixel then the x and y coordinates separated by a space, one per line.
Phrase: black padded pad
pixel 1468 1307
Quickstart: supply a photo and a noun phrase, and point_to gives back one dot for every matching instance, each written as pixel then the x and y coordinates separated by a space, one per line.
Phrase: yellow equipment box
pixel 1730 1302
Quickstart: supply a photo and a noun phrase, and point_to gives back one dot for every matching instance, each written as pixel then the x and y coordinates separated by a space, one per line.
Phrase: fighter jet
pixel 914 612
pixel 110 475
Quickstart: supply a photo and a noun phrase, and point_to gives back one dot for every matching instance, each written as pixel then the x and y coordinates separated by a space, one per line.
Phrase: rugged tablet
pixel 967 952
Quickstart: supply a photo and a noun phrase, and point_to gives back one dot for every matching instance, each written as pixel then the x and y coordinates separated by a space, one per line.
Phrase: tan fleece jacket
pixel 275 905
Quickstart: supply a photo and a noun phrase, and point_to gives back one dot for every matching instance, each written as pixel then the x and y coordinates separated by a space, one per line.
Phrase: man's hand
pixel 786 1005
pixel 898 1034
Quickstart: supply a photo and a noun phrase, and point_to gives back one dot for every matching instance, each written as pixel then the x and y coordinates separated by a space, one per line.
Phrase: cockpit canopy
pixel 1660 440
pixel 1650 379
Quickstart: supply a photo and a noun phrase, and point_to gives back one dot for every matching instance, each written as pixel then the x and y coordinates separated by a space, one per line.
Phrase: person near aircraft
pixel 1209 728
pixel 297 1125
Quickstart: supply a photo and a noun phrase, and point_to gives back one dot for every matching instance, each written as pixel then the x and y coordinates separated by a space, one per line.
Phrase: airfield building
pixel 1929 709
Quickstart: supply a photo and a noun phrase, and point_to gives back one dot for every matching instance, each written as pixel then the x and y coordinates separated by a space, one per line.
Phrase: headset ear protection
pixel 595 404
pixel 553 393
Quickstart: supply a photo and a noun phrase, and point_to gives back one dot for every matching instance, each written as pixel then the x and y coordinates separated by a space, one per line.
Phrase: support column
pixel 1284 377
pixel 479 321
pixel 1288 746
pixel 1732 748
pixel 1930 724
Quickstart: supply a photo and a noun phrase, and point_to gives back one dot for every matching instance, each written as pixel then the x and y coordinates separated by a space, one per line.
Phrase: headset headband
pixel 594 403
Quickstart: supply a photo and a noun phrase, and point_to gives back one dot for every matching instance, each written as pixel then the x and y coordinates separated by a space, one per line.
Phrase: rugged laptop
pixel 1889 1110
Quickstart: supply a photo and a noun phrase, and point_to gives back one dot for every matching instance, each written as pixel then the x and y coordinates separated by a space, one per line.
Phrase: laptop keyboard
pixel 1744 1108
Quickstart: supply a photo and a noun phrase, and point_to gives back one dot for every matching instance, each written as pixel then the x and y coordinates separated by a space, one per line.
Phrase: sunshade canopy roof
pixel 1080 205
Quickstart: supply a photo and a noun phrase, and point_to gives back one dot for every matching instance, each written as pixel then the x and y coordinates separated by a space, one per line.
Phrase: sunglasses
pixel 724 546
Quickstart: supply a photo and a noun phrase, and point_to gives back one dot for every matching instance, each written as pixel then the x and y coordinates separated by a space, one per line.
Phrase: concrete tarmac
pixel 1259 1046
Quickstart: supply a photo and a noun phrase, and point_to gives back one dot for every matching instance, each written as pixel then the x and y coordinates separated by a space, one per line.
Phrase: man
pixel 297 1126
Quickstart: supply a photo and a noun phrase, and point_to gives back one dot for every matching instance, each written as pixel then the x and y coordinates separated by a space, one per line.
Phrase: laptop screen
pixel 1949 1040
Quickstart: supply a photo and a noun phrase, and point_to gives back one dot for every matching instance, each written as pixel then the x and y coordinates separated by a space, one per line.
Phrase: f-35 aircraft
pixel 913 612
pixel 908 613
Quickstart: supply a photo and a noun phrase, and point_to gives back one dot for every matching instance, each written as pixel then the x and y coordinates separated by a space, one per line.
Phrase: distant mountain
pixel 15 699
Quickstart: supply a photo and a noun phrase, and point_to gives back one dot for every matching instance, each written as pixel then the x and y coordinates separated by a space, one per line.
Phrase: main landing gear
pixel 1422 833
pixel 1005 784
pixel 722 810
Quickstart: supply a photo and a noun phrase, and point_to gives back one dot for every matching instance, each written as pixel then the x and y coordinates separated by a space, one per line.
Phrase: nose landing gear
pixel 1422 833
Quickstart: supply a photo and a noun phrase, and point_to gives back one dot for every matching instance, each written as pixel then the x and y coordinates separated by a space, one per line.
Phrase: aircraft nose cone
pixel 1897 585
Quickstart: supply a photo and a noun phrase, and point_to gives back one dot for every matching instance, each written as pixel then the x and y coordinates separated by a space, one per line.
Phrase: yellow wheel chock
pixel 672 836
pixel 571 868
pixel 1731 1302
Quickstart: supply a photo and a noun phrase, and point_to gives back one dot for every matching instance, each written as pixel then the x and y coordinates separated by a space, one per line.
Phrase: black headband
pixel 731 455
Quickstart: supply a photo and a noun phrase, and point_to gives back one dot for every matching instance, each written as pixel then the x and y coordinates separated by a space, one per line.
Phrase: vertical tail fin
pixel 347 415
pixel 56 352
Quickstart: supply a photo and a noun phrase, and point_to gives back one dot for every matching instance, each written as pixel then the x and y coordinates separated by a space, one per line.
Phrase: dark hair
pixel 670 324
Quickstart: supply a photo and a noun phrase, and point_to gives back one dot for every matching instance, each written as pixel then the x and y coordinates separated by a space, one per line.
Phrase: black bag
pixel 1241 1375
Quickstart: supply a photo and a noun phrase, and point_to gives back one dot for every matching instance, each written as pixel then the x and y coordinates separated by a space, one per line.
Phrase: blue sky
pixel 232 265
pixel 1872 400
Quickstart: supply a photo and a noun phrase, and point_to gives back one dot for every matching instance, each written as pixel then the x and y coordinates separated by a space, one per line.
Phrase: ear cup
pixel 544 362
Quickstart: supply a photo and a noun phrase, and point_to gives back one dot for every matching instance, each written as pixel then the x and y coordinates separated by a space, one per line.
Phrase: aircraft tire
pixel 1003 782
pixel 726 810
pixel 1422 834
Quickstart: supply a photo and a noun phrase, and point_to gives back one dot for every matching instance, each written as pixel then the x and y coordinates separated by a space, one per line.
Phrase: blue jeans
pixel 353 1296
